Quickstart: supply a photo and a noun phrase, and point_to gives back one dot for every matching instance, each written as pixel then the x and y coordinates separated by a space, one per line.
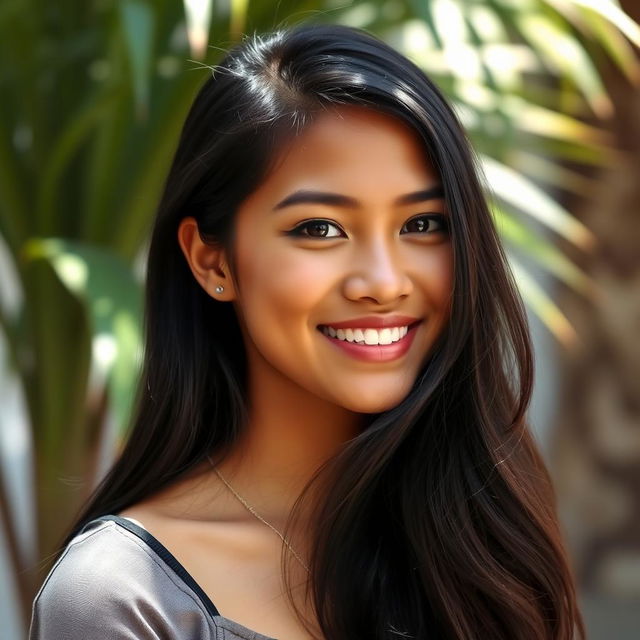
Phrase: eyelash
pixel 297 231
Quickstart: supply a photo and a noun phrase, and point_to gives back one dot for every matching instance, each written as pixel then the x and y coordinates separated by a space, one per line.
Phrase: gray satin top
pixel 115 581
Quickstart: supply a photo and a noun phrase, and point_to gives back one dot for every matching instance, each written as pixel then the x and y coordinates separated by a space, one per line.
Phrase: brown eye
pixel 426 224
pixel 316 229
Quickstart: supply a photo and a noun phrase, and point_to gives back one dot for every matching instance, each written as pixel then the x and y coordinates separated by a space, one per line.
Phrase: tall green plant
pixel 94 95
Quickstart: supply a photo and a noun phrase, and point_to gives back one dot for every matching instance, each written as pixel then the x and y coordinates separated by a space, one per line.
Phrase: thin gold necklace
pixel 253 511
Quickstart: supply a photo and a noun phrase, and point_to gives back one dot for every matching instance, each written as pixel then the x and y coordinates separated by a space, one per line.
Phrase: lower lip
pixel 375 352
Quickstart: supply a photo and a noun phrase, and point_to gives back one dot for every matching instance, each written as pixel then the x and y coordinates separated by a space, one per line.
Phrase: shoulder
pixel 108 583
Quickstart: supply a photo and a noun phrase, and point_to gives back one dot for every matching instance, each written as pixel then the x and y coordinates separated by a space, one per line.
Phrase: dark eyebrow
pixel 339 200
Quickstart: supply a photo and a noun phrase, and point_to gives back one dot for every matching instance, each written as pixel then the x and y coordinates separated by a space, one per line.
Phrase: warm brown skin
pixel 306 397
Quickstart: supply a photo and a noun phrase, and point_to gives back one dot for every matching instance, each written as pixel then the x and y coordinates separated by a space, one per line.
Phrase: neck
pixel 289 435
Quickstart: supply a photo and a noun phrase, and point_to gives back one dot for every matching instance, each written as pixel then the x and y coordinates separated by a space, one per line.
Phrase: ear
pixel 206 261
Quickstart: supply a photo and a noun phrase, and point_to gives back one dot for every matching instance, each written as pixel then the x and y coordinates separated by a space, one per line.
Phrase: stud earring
pixel 219 289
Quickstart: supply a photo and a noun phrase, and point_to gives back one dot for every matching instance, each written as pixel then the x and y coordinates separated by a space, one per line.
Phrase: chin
pixel 373 405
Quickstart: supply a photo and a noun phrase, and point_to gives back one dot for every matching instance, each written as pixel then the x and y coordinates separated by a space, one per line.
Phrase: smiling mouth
pixel 368 336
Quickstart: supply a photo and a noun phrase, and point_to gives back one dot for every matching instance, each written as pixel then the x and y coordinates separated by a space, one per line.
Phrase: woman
pixel 330 439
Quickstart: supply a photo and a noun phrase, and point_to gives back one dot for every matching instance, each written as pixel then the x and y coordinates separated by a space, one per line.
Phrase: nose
pixel 376 274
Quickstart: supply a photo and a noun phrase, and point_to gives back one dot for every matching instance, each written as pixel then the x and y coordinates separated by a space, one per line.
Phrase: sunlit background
pixel 92 98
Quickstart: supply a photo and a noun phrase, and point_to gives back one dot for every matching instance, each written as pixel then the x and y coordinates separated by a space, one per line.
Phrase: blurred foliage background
pixel 93 98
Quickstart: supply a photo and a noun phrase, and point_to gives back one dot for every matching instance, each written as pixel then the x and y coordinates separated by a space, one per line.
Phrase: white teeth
pixel 369 336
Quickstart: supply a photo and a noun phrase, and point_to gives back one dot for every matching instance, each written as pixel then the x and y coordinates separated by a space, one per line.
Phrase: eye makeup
pixel 422 223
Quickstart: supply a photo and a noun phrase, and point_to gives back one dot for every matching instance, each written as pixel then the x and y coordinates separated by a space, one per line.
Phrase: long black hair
pixel 441 520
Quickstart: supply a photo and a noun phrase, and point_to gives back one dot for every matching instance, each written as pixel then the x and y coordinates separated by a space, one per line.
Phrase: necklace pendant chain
pixel 257 515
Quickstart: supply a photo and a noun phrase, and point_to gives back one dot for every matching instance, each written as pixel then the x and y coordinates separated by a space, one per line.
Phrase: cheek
pixel 436 277
pixel 280 284
pixel 281 292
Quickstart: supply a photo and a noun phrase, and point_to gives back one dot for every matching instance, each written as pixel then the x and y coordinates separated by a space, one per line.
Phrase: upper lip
pixel 373 322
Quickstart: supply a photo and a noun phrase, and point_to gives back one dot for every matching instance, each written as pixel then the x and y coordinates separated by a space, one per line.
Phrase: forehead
pixel 356 151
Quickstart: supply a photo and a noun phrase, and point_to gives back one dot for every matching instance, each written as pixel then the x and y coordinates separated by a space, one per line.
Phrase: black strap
pixel 166 555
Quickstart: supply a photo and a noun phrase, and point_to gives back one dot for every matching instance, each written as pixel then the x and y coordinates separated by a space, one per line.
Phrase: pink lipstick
pixel 373 352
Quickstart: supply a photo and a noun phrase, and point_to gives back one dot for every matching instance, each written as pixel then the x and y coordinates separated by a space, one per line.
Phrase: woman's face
pixel 344 262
